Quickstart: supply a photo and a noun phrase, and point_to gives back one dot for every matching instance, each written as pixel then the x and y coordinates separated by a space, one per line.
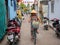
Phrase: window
pixel 52 6
pixel 11 2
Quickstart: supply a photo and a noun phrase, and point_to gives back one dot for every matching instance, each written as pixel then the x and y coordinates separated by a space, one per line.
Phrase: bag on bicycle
pixel 35 24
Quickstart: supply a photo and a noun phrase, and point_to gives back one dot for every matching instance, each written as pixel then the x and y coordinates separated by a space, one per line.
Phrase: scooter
pixel 13 35
pixel 58 30
pixel 56 26
pixel 45 26
pixel 12 38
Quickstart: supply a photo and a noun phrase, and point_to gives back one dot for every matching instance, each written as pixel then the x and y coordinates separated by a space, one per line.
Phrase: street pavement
pixel 43 38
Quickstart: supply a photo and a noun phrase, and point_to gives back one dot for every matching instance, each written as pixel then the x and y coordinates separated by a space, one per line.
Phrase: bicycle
pixel 34 36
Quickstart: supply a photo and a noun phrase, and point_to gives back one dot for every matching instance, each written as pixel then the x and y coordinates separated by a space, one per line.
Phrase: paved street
pixel 43 38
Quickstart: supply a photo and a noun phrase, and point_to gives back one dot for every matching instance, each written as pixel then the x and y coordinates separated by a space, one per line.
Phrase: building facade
pixel 54 11
pixel 3 19
pixel 12 9
pixel 52 8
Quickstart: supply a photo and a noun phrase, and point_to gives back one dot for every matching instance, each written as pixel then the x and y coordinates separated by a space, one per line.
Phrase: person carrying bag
pixel 34 21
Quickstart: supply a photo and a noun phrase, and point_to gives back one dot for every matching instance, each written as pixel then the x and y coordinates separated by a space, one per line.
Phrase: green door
pixel 2 19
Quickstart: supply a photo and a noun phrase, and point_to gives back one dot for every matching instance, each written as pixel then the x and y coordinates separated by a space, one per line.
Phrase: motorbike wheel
pixel 57 35
pixel 35 37
pixel 45 28
pixel 11 43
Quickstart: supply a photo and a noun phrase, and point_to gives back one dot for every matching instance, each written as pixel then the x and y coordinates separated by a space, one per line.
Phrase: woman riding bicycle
pixel 34 20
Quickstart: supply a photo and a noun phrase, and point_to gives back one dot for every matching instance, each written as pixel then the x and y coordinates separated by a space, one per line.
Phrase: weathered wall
pixel 56 13
pixel 3 17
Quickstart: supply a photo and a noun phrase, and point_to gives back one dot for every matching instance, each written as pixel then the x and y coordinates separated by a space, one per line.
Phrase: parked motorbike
pixel 56 26
pixel 45 25
pixel 13 32
pixel 12 38
pixel 58 30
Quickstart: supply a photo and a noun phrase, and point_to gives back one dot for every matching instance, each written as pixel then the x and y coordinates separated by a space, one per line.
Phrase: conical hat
pixel 33 11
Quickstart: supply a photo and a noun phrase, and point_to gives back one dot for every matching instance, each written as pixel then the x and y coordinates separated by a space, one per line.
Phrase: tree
pixel 23 7
pixel 28 6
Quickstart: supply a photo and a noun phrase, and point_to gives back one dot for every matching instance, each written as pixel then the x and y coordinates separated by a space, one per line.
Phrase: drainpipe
pixel 48 10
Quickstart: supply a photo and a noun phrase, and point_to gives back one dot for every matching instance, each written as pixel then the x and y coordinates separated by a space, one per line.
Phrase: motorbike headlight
pixel 11 40
pixel 16 37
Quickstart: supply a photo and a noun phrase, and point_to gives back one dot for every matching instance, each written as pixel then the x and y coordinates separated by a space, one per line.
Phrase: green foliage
pixel 28 5
pixel 22 5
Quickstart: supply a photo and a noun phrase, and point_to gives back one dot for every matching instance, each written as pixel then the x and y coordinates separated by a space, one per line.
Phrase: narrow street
pixel 43 38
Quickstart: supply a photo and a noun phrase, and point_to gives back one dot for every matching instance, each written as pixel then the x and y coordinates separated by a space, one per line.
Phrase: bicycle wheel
pixel 34 37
